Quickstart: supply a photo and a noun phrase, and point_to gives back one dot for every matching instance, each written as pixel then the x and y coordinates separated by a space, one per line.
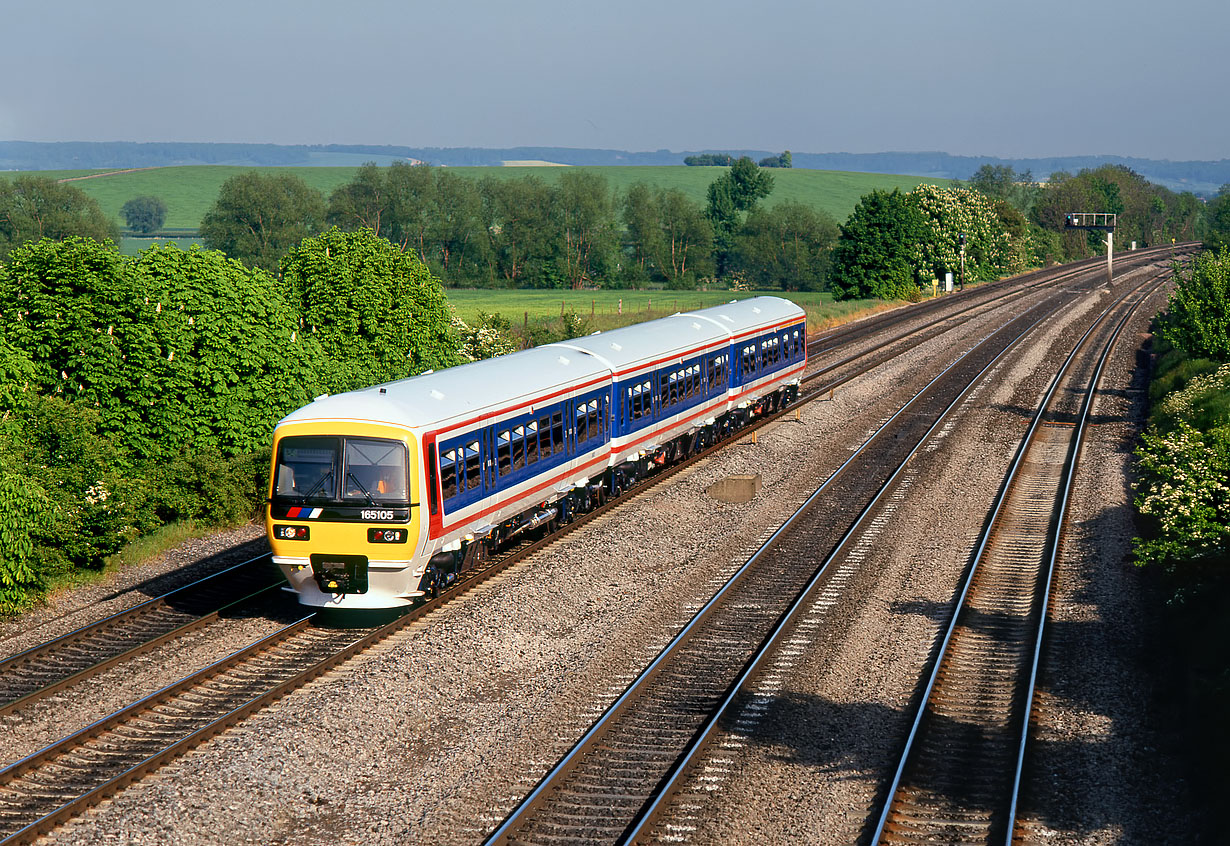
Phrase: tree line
pixel 527 233
pixel 578 232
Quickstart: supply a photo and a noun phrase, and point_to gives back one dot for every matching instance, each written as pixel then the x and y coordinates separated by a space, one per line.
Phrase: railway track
pixel 606 787
pixel 620 776
pixel 959 776
pixel 39 773
pixel 45 669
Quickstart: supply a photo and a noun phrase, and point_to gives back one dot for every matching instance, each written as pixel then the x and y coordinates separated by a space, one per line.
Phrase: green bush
pixel 1198 316
pixel 205 487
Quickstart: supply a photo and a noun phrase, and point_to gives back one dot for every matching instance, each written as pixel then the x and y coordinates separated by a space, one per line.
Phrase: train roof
pixel 638 345
pixel 508 381
pixel 461 392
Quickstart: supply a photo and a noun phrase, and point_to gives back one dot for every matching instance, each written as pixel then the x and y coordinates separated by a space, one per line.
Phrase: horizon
pixel 890 75
pixel 660 151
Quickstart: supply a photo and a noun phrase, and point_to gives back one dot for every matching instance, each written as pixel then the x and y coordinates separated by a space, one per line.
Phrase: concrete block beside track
pixel 735 489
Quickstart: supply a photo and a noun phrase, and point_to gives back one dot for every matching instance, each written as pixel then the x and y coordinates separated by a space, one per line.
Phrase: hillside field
pixel 610 309
pixel 190 191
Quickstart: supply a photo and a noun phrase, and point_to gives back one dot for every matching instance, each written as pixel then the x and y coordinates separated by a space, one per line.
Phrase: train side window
pixel 503 452
pixel 544 438
pixel 638 395
pixel 448 474
pixel 557 431
pixel 518 447
pixel 582 424
pixel 531 442
pixel 474 476
pixel 595 419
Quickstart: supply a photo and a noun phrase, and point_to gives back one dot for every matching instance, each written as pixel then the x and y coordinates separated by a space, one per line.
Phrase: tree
pixel 376 311
pixel 173 348
pixel 784 160
pixel 460 250
pixel 787 246
pixel 876 252
pixel 1198 317
pixel 434 212
pixel 949 213
pixel 709 160
pixel 519 217
pixel 257 218
pixel 1147 213
pixel 670 238
pixel 144 214
pixel 33 208
pixel 587 222
pixel 730 195
pixel 1217 221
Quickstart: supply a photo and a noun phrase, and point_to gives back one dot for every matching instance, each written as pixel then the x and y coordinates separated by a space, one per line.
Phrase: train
pixel 383 497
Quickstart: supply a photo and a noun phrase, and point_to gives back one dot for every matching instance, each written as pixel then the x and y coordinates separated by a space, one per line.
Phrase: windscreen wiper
pixel 319 484
pixel 359 484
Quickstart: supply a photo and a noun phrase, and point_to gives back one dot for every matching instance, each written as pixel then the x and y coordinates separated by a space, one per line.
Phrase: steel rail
pixel 984 543
pixel 671 783
pixel 100 639
pixel 517 817
pixel 1079 439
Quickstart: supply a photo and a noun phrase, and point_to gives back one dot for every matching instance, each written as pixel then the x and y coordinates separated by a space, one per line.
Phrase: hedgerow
pixel 140 391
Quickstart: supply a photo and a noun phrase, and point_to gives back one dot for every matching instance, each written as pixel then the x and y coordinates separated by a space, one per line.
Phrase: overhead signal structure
pixel 1103 222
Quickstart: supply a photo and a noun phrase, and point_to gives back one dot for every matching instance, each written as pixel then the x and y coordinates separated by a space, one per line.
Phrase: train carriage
pixel 381 496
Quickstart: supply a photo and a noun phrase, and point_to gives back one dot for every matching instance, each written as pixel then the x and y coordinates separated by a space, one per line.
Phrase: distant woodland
pixel 1201 178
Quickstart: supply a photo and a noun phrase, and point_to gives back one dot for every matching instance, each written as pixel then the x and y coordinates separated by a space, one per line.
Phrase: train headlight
pixel 387 535
pixel 292 533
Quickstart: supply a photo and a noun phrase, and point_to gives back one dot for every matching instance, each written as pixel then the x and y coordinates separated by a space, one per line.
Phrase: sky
pixel 968 77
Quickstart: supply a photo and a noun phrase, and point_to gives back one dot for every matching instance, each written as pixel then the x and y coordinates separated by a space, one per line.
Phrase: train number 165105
pixel 373 514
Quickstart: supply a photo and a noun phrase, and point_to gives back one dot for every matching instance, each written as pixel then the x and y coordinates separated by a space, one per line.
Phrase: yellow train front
pixel 343 512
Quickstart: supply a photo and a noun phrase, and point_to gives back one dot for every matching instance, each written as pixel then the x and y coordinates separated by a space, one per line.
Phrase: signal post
pixel 1100 221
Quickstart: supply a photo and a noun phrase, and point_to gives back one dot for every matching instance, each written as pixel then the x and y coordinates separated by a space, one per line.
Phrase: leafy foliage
pixel 1147 214
pixel 587 227
pixel 1217 221
pixel 33 208
pixel 173 348
pixel 144 214
pixel 709 160
pixel 730 195
pixel 788 245
pixel 670 238
pixel 783 160
pixel 489 336
pixel 377 313
pixel 876 252
pixel 257 218
pixel 949 213
pixel 1002 182
pixel 1198 319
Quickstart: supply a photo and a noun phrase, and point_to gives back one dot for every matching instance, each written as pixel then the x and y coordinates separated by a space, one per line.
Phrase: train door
pixel 489 478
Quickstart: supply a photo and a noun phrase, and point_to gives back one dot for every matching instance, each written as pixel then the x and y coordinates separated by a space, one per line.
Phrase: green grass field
pixel 190 191
pixel 607 309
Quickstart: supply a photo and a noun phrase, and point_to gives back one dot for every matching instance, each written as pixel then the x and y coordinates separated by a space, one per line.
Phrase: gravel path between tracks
pixel 434 735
